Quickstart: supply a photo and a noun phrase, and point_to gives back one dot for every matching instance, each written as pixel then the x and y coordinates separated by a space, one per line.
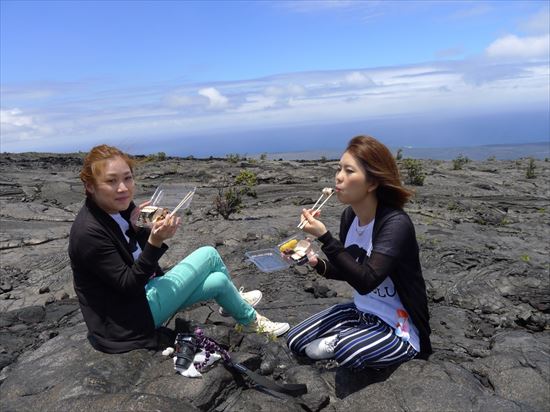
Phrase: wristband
pixel 324 268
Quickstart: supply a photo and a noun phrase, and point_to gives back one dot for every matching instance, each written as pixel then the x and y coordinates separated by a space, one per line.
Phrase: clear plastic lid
pixel 166 199
pixel 267 260
pixel 294 250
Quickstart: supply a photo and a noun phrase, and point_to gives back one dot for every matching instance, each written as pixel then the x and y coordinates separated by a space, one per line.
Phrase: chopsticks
pixel 183 201
pixel 304 222
pixel 157 196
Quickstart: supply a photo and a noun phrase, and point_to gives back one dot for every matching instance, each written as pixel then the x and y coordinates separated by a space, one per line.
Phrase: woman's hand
pixel 135 214
pixel 312 261
pixel 313 226
pixel 163 230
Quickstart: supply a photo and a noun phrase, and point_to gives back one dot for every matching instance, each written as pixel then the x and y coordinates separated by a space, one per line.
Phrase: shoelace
pixel 331 344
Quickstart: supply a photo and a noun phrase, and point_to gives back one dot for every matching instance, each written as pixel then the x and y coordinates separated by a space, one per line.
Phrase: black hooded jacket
pixel 109 284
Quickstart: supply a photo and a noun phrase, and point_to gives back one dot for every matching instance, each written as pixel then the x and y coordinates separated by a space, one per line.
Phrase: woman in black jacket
pixel 387 322
pixel 123 293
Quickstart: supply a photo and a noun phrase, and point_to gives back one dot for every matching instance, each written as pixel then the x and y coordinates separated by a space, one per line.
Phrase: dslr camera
pixel 186 346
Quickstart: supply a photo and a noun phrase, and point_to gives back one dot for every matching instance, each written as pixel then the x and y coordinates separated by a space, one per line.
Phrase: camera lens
pixel 185 350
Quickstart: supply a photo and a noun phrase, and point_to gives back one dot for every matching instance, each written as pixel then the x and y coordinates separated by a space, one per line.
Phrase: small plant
pixel 155 157
pixel 452 206
pixel 247 179
pixel 233 157
pixel 491 158
pixel 530 172
pixel 323 159
pixel 460 161
pixel 525 258
pixel 399 154
pixel 263 156
pixel 228 201
pixel 415 174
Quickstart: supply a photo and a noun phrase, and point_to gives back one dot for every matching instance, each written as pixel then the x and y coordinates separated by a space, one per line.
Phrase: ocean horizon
pixel 536 150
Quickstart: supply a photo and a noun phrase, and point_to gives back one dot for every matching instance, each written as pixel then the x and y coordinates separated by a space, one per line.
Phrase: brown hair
pixel 95 160
pixel 379 164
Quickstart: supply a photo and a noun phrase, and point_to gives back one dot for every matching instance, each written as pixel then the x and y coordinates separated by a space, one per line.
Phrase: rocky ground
pixel 483 233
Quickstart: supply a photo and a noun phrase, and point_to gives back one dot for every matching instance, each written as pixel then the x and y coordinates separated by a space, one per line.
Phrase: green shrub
pixel 530 172
pixel 525 258
pixel 155 157
pixel 415 174
pixel 460 161
pixel 247 179
pixel 228 201
pixel 263 156
pixel 233 157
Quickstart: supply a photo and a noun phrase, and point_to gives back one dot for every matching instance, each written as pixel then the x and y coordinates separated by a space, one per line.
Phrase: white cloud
pixel 15 126
pixel 216 99
pixel 257 102
pixel 358 79
pixel 512 46
pixel 15 118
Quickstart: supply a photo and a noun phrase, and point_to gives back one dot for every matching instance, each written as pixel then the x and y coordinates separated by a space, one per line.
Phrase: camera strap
pixel 292 389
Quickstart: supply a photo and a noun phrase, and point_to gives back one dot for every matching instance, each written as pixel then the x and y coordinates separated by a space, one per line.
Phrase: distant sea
pixel 539 150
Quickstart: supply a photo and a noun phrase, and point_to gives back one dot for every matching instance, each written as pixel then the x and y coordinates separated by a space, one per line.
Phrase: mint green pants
pixel 200 276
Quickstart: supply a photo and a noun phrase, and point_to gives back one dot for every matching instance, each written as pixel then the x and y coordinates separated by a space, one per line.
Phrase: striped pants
pixel 364 340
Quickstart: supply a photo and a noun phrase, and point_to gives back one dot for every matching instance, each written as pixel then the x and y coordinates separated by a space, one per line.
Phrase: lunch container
pixel 272 260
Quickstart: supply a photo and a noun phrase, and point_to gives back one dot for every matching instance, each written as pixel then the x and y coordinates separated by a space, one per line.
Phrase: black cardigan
pixel 110 286
pixel 400 262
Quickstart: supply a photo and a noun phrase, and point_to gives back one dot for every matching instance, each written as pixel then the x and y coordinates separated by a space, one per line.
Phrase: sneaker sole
pixel 253 304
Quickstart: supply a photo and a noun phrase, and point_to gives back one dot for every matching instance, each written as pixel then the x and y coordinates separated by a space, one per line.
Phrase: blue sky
pixel 220 77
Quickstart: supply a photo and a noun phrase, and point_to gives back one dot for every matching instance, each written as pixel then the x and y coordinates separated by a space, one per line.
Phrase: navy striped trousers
pixel 364 340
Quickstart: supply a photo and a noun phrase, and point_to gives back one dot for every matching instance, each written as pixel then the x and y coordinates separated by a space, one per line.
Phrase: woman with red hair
pixel 123 293
pixel 387 322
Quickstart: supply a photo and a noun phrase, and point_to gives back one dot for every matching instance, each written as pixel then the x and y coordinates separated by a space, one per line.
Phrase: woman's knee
pixel 208 251
pixel 219 281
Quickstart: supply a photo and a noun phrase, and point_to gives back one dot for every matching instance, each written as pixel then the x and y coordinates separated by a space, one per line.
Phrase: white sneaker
pixel 322 348
pixel 263 325
pixel 252 298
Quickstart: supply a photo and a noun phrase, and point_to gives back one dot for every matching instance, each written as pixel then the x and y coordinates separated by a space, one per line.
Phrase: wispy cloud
pixel 216 100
